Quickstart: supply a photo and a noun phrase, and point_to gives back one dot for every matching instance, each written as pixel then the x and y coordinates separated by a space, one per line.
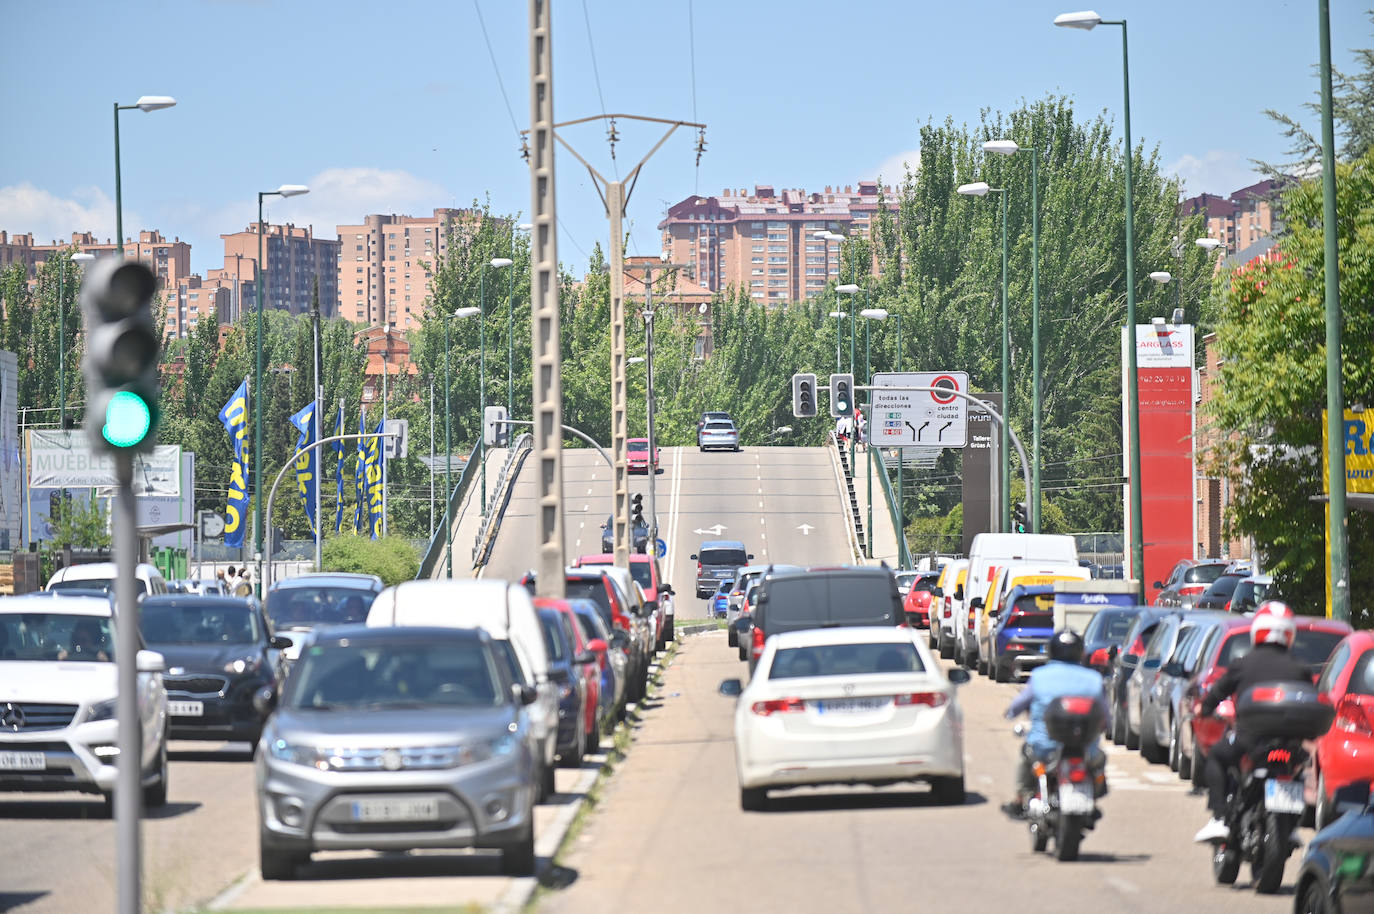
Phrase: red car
pixel 1346 753
pixel 590 672
pixel 637 455
pixel 1315 641
pixel 658 593
pixel 917 602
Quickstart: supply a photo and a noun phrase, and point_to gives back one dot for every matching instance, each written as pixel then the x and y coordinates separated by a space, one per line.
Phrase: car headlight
pixel 309 756
pixel 102 710
pixel 482 750
pixel 243 665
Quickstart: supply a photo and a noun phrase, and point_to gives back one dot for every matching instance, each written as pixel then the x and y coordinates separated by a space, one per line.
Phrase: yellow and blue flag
pixel 306 460
pixel 234 417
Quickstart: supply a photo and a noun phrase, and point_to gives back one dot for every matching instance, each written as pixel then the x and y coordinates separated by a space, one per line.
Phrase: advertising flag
pixel 306 460
pixel 372 447
pixel 234 417
pixel 339 453
pixel 359 489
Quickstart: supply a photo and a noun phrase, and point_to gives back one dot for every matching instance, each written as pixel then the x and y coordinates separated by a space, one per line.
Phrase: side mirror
pixel 937 592
pixel 524 694
pixel 265 700
pixel 958 593
pixel 279 642
pixel 1152 664
pixel 994 613
pixel 958 675
pixel 620 638
pixel 731 688
pixel 976 603
pixel 1172 669
pixel 694 557
pixel 1158 584
pixel 585 658
pixel 1113 651
pixel 150 662
pixel 596 646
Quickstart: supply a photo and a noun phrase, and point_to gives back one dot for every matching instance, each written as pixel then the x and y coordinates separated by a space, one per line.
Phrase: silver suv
pixel 395 739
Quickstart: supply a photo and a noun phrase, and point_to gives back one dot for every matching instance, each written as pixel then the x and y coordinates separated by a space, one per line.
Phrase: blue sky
pixel 395 107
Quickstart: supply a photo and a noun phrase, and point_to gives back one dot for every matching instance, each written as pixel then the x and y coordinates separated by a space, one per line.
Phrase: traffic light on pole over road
pixel 121 358
pixel 1019 518
pixel 804 396
pixel 841 395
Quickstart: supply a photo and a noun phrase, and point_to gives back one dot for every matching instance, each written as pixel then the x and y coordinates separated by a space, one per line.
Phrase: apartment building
pixel 1242 220
pixel 765 241
pixel 170 260
pixel 386 262
pixel 295 260
pixel 194 299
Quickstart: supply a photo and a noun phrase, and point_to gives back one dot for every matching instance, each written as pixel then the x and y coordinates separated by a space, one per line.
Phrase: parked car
pixel 571 669
pixel 917 600
pixel 57 679
pixel 844 596
pixel 1218 593
pixel 209 587
pixel 1187 582
pixel 718 434
pixel 637 455
pixel 720 605
pixel 219 651
pixel 1251 592
pixel 618 614
pixel 298 605
pixel 396 739
pixel 716 561
pixel 1163 689
pixel 851 706
pixel 1123 668
pixel 101 576
pixel 611 664
pixel 1334 876
pixel 506 613
pixel 1104 636
pixel 949 591
pixel 1345 754
pixel 658 593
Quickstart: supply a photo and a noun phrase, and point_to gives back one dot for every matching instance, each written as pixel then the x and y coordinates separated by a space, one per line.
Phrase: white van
pixel 504 611
pixel 991 551
pixel 101 576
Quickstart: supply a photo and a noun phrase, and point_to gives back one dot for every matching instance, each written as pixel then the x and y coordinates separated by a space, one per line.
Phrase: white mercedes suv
pixel 57 699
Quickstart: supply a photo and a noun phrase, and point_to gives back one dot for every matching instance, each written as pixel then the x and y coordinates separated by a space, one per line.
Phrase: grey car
pixel 394 739
pixel 718 434
pixel 743 578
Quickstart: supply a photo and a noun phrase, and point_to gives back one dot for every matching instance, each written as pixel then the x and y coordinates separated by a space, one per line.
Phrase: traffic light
pixel 495 432
pixel 1019 518
pixel 637 511
pixel 804 396
pixel 841 395
pixel 121 356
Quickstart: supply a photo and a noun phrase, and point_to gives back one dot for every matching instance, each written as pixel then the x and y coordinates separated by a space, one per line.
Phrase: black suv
pixel 821 598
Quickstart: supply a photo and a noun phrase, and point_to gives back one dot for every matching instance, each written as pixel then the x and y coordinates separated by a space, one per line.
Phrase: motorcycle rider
pixel 1271 633
pixel 1062 677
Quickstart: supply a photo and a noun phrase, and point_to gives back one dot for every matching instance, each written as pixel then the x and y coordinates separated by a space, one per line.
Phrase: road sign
pixel 904 418
pixel 660 547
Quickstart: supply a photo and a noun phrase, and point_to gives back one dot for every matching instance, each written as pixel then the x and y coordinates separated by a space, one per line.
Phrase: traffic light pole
pixel 128 794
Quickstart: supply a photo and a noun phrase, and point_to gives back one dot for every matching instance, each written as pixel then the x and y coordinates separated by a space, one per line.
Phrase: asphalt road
pixel 783 503
pixel 669 835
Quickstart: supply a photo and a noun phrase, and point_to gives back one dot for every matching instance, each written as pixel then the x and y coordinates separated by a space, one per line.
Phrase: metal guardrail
pixel 519 450
pixel 903 550
pixel 435 550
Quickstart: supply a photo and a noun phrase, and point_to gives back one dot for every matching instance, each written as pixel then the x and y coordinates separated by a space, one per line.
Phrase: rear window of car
pixel 924 584
pixel 1311 647
pixel 723 557
pixel 1225 585
pixel 553 635
pixel 815 600
pixel 720 427
pixel 1203 574
pixel 845 660
pixel 1109 626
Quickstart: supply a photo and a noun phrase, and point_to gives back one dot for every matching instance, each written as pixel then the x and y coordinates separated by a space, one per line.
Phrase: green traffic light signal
pixel 127 419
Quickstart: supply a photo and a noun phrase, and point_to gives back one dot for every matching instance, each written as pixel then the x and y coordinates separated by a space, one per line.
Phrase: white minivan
pixel 991 551
pixel 506 612
pixel 101 576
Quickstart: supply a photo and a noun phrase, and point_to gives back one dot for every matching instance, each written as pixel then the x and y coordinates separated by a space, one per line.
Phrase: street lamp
pixel 495 263
pixel 286 190
pixel 870 314
pixel 78 257
pixel 1088 20
pixel 510 330
pixel 448 441
pixel 981 189
pixel 145 104
pixel 1009 148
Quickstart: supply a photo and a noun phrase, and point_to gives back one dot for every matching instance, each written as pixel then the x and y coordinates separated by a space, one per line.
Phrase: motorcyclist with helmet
pixel 1064 676
pixel 1271 635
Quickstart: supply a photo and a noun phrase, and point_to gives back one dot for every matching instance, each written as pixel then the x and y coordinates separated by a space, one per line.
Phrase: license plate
pixel 186 708
pixel 423 810
pixel 22 761
pixel 1284 796
pixel 852 705
pixel 1075 799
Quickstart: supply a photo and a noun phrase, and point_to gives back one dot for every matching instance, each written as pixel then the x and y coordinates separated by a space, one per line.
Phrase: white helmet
pixel 1273 624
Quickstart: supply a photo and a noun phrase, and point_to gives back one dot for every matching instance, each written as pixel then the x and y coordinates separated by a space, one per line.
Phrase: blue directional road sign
pixel 661 548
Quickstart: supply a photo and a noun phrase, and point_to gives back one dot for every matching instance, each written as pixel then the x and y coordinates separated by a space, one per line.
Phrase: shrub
pixel 392 558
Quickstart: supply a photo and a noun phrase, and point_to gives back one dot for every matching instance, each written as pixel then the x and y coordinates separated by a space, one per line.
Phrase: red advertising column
pixel 1164 359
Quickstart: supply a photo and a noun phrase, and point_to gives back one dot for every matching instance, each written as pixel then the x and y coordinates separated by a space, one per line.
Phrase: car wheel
pixel 1150 749
pixel 155 794
pixel 1173 747
pixel 1314 900
pixel 278 863
pixel 574 757
pixel 1185 760
pixel 732 636
pixel 1000 673
pixel 547 787
pixel 948 791
pixel 518 858
pixel 753 799
pixel 1198 765
pixel 1132 736
pixel 946 648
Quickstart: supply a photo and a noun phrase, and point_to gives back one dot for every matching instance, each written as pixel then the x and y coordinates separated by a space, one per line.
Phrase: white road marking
pixel 1124 886
pixel 589 491
pixel 760 504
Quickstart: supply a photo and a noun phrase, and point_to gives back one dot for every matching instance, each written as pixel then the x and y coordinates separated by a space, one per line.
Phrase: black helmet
pixel 1066 645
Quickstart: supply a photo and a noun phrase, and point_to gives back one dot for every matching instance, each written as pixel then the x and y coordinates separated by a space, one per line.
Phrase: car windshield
pixel 845 660
pixel 1225 585
pixel 1109 626
pixel 1311 647
pixel 445 673
pixel 55 636
pixel 103 585
pixel 1203 574
pixel 198 622
pixel 308 606
pixel 637 445
pixel 723 557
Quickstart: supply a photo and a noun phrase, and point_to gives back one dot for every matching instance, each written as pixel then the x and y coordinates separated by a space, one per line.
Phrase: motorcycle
pixel 1266 804
pixel 1068 784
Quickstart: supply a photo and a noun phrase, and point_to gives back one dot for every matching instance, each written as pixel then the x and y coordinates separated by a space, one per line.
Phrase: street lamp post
pixel 839 330
pixel 145 103
pixel 1088 20
pixel 870 314
pixel 981 189
pixel 286 190
pixel 495 263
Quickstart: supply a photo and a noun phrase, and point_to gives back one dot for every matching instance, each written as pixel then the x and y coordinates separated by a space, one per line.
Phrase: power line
pixel 492 54
pixel 596 74
pixel 692 46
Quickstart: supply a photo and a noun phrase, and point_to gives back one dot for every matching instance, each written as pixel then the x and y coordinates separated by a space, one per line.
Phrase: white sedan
pixel 860 705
